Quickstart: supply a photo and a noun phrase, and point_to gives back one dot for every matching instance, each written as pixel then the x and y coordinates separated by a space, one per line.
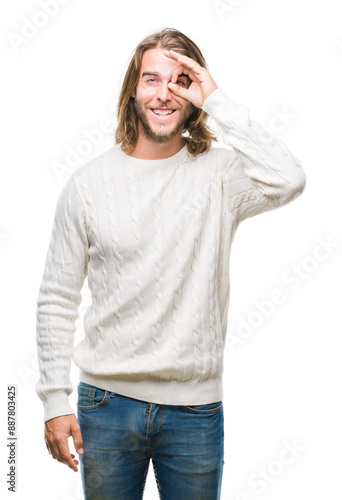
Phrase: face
pixel 161 114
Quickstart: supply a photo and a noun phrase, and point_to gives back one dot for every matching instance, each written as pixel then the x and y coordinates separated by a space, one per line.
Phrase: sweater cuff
pixel 222 109
pixel 56 404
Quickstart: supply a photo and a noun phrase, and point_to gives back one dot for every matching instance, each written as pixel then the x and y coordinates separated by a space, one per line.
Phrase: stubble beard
pixel 160 138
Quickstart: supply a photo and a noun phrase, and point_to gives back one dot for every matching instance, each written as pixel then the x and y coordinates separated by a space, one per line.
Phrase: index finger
pixel 187 66
pixel 180 71
pixel 185 60
pixel 65 455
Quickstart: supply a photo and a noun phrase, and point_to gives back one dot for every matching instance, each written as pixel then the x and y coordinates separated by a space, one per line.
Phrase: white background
pixel 283 380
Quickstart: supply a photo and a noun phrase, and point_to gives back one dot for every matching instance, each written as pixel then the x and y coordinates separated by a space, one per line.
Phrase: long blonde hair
pixel 199 135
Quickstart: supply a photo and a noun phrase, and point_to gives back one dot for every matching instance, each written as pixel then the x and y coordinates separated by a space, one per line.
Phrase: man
pixel 151 222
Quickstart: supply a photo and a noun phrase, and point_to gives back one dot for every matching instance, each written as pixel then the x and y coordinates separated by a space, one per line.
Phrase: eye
pixel 151 80
pixel 183 81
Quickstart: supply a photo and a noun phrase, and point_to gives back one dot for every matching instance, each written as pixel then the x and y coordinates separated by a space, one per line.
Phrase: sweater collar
pixel 175 159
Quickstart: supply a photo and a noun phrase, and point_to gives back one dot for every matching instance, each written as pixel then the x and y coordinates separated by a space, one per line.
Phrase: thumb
pixel 77 438
pixel 191 95
pixel 178 90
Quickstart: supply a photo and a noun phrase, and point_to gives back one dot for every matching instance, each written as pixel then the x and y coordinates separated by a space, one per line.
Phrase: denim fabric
pixel 121 435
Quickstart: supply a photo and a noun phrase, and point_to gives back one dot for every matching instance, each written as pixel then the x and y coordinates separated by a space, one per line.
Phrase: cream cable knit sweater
pixel 154 238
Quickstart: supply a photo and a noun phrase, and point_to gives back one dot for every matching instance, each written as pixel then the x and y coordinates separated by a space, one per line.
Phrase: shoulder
pixel 92 167
pixel 222 156
pixel 81 181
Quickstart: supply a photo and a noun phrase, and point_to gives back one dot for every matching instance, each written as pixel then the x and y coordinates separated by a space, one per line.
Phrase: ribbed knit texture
pixel 154 238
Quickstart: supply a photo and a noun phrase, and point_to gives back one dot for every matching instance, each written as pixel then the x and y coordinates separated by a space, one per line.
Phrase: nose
pixel 164 93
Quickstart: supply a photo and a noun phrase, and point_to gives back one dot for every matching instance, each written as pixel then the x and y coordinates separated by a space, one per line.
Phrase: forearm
pixel 276 175
pixel 56 316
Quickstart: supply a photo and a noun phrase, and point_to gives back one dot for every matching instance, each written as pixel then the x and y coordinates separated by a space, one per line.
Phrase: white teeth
pixel 163 112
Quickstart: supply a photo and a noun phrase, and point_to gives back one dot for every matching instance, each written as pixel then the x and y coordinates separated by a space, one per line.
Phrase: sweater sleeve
pixel 58 300
pixel 263 174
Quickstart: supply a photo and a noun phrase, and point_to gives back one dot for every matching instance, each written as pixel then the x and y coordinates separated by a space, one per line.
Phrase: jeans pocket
pixel 205 409
pixel 91 397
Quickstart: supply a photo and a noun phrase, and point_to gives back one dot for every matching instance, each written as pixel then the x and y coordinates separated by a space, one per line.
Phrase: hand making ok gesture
pixel 202 83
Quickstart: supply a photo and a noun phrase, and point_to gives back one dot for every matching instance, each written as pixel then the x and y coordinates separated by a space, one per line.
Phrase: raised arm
pixel 262 174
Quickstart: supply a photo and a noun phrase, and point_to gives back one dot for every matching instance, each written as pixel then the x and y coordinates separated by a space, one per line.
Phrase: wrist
pixel 210 91
pixel 208 94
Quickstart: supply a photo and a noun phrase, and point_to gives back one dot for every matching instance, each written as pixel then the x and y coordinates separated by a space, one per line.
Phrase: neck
pixel 148 150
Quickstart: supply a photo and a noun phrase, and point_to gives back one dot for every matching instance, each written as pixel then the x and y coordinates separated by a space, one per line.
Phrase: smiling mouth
pixel 162 112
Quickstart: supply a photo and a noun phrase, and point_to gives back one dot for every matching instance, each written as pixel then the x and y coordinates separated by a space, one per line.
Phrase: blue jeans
pixel 121 435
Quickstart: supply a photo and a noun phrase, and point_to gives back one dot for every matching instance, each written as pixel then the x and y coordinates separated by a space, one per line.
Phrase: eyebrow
pixel 150 74
pixel 157 74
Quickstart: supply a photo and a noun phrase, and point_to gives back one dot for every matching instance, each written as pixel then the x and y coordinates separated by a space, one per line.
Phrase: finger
pixel 178 90
pixel 65 455
pixel 184 60
pixel 77 438
pixel 178 72
pixel 190 75
pixel 172 54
